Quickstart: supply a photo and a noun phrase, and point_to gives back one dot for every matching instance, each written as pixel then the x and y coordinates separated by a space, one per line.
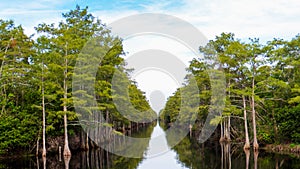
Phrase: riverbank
pixel 290 149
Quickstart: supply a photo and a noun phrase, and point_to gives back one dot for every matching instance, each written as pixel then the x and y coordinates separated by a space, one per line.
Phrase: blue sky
pixel 31 13
pixel 264 19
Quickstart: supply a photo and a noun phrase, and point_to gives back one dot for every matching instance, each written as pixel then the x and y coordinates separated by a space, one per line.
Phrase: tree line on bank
pixel 262 84
pixel 36 81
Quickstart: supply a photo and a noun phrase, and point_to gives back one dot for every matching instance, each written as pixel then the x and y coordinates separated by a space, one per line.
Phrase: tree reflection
pixel 255 159
pixel 190 154
pixel 247 152
pixel 225 155
pixel 100 158
pixel 44 162
pixel 67 161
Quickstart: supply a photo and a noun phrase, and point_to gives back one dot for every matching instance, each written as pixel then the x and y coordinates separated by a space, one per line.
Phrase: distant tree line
pixel 36 98
pixel 262 90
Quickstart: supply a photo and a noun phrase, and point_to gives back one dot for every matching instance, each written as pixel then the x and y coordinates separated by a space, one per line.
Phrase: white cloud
pixel 264 19
pixel 153 79
pixel 109 16
pixel 31 13
pixel 254 18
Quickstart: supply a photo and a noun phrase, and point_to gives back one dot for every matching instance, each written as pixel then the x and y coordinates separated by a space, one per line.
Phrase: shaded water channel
pixel 187 154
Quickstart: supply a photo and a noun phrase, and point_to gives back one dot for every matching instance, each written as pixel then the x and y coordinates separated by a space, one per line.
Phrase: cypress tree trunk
pixel 247 142
pixel 44 124
pixel 255 143
pixel 229 125
pixel 67 151
pixel 82 140
pixel 227 134
pixel 87 141
pixel 2 63
pixel 227 129
pixel 44 113
pixel 1 70
pixel 222 133
pixel 37 146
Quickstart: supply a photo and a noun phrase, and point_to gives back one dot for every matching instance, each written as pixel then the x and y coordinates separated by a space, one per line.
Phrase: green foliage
pixel 170 112
pixel 18 131
pixel 33 69
pixel 288 122
pixel 28 67
pixel 273 69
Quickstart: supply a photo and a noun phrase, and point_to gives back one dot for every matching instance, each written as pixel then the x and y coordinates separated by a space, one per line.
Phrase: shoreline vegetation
pixel 291 149
pixel 284 149
pixel 261 86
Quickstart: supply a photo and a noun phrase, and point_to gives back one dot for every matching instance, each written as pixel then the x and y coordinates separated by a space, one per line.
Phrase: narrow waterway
pixel 188 154
pixel 159 154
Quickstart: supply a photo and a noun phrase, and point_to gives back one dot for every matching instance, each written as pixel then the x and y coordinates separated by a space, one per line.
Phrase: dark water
pixel 187 154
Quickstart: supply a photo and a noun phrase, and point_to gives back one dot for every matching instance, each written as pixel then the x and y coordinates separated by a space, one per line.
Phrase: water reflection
pixel 229 156
pixel 153 156
pixel 255 159
pixel 225 156
pixel 247 153
pixel 44 162
pixel 187 154
pixel 67 161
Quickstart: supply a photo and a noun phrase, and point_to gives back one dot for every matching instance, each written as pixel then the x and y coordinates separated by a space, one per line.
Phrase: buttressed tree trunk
pixel 67 151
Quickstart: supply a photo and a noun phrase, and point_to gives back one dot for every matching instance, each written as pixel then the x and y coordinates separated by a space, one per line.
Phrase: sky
pixel 264 19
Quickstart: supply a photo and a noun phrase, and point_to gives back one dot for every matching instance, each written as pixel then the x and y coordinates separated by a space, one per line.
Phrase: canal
pixel 188 154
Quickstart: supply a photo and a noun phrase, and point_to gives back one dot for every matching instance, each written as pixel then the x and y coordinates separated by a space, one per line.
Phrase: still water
pixel 188 154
